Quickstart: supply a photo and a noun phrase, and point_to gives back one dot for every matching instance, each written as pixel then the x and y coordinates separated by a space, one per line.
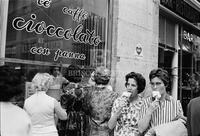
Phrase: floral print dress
pixel 127 123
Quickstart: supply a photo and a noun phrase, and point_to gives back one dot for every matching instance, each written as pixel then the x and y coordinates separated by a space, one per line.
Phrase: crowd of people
pixel 63 106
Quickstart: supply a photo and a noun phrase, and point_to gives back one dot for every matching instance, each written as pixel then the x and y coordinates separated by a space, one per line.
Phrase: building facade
pixel 179 35
pixel 135 39
pixel 82 32
pixel 37 34
pixel 122 35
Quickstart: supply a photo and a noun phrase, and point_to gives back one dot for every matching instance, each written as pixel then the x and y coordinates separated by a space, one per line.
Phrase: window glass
pixel 166 31
pixel 61 31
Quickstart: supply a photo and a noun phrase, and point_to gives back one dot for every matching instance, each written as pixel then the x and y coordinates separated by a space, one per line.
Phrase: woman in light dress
pixel 42 108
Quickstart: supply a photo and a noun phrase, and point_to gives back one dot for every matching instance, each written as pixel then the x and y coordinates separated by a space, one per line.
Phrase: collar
pixel 167 97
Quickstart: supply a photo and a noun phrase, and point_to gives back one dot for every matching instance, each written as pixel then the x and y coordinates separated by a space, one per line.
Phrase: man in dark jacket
pixel 193 117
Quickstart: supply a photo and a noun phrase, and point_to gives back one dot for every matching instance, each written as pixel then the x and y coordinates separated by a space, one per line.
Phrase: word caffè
pixel 19 23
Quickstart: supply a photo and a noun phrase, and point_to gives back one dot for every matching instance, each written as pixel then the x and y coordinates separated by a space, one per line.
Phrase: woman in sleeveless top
pixel 42 108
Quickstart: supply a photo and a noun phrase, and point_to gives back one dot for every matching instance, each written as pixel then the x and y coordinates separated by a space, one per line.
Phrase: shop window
pixel 166 31
pixel 165 56
pixel 67 32
pixel 161 29
pixel 170 33
pixel 166 48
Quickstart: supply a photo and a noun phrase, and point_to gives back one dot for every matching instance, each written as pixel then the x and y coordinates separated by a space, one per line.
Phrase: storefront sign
pixel 40 27
pixel 65 54
pixel 44 3
pixel 138 50
pixel 187 36
pixel 76 35
pixel 40 51
pixel 83 72
pixel 77 14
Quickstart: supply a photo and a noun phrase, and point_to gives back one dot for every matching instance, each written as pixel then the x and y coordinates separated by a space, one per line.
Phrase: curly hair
pixel 11 83
pixel 161 74
pixel 42 81
pixel 102 76
pixel 141 82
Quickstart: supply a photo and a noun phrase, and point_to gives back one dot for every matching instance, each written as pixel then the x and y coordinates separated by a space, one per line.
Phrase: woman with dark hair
pixel 14 121
pixel 160 108
pixel 73 102
pixel 100 100
pixel 126 109
pixel 92 82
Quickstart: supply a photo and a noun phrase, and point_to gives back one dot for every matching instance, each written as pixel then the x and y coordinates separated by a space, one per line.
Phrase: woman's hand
pixel 116 114
pixel 151 132
pixel 122 104
pixel 143 123
pixel 153 106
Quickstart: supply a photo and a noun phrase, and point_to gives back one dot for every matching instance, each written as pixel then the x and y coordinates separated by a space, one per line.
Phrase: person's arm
pixel 116 111
pixel 180 112
pixel 64 80
pixel 60 112
pixel 144 122
pixel 113 121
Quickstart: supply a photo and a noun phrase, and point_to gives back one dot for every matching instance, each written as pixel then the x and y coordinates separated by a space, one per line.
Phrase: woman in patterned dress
pixel 100 100
pixel 126 109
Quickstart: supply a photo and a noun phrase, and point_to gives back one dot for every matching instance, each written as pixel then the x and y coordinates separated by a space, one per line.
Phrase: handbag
pixel 173 128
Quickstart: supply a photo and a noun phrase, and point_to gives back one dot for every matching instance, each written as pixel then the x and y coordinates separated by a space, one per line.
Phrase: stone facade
pixel 135 39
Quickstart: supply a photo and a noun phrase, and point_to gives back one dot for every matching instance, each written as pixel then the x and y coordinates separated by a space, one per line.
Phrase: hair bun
pixel 102 75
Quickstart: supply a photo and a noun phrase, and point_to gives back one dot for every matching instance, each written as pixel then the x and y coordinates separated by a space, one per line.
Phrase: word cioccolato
pixel 19 23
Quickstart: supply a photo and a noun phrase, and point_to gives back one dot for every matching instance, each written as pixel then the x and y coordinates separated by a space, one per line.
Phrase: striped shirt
pixel 168 110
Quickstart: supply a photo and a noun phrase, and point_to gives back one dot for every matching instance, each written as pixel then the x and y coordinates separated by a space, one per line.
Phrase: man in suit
pixel 193 117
